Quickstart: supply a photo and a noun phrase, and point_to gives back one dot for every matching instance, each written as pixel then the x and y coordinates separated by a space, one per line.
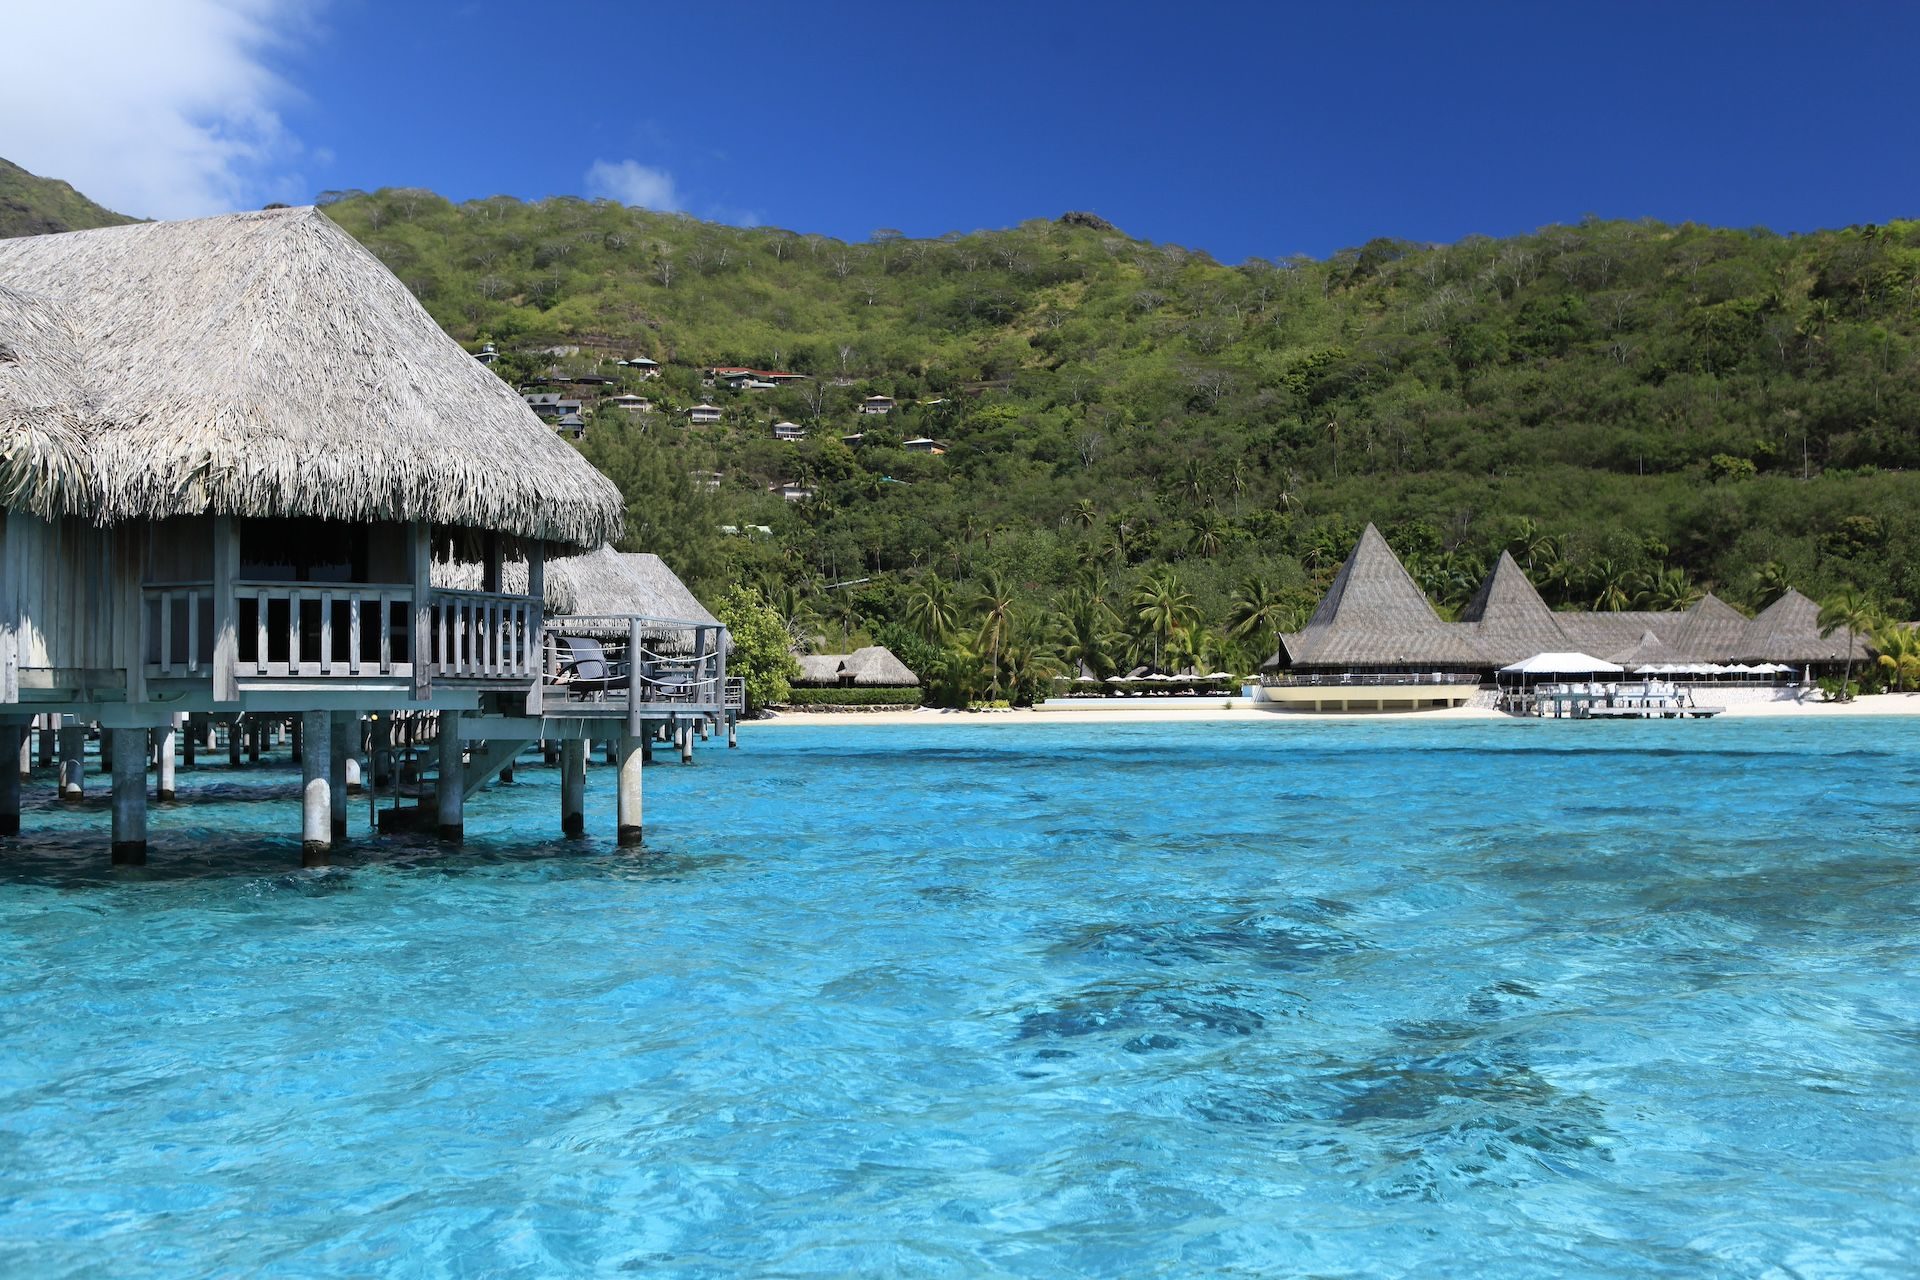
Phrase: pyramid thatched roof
pixel 1788 630
pixel 1375 614
pixel 601 589
pixel 1649 651
pixel 266 364
pixel 1712 630
pixel 1510 620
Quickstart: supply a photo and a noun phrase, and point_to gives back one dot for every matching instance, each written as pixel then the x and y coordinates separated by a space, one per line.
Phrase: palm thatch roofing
pixel 1788 630
pixel 1375 614
pixel 1712 630
pixel 263 364
pixel 873 666
pixel 1509 618
pixel 600 590
pixel 46 407
pixel 1650 651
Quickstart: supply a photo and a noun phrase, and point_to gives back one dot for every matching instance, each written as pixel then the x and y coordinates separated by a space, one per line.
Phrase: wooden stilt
pixel 299 743
pixel 573 787
pixel 233 743
pixel 189 742
pixel 686 743
pixel 356 758
pixel 733 732
pixel 106 751
pixel 49 739
pixel 316 790
pixel 629 796
pixel 129 751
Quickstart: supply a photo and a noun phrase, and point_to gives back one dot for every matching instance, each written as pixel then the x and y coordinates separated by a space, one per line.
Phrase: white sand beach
pixel 1147 711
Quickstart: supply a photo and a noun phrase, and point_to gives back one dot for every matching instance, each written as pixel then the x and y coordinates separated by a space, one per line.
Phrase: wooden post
pixel 254 730
pixel 356 755
pixel 26 749
pixel 537 626
pixel 646 746
pixel 686 742
pixel 129 796
pixel 612 747
pixel 573 787
pixel 106 752
pixel 11 741
pixel 164 780
pixel 299 745
pixel 233 743
pixel 421 535
pixel 453 779
pixel 316 789
pixel 338 726
pixel 733 730
pixel 628 803
pixel 226 611
pixel 382 762
pixel 189 742
pixel 49 739
pixel 73 758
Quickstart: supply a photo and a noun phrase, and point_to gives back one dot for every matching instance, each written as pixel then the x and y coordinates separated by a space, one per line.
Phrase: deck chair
pixel 585 671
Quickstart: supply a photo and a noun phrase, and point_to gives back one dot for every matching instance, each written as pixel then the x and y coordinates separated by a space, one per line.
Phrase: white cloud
pixel 631 182
pixel 156 110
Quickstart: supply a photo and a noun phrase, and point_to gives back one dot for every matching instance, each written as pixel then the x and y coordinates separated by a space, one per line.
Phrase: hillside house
pixel 642 366
pixel 878 406
pixel 855 440
pixel 923 444
pixel 703 414
pixel 792 491
pixel 789 431
pixel 570 425
pixel 630 403
pixel 708 480
pixel 551 404
pixel 487 354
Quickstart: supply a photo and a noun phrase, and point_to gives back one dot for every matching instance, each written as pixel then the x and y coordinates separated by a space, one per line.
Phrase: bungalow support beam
pixel 452 786
pixel 11 741
pixel 316 790
pixel 573 787
pixel 339 726
pixel 73 759
pixel 129 796
pixel 165 739
pixel 629 794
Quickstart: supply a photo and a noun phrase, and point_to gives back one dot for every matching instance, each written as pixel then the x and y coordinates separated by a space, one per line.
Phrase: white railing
pixel 348 629
pixel 484 635
pixel 736 694
pixel 648 660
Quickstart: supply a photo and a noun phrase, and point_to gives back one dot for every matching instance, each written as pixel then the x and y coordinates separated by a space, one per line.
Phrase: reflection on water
pixel 1378 999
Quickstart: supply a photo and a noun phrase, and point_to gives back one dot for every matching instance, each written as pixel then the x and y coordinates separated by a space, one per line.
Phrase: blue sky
pixel 1243 130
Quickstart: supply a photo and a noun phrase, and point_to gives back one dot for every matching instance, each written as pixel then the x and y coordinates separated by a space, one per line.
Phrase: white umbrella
pixel 1562 664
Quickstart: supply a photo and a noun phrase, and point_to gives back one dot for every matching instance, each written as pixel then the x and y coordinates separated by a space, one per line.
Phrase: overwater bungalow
pixel 1376 643
pixel 231 451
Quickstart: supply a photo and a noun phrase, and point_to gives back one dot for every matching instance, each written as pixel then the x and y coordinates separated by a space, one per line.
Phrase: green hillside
pixel 32 206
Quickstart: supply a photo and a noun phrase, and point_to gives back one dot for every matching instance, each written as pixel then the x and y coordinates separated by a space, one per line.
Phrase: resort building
pixel 551 404
pixel 923 444
pixel 1375 642
pixel 232 452
pixel 642 366
pixel 874 667
pixel 570 425
pixel 877 405
pixel 790 431
pixel 703 414
pixel 487 354
pixel 630 403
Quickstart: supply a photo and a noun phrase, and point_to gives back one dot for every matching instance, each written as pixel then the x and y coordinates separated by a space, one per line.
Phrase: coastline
pixel 1119 711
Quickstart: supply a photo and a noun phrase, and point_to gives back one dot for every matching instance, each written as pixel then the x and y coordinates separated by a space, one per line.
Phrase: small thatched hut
pixel 874 667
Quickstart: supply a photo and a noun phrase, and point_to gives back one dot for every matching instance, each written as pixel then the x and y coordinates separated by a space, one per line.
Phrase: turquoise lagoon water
pixel 1269 999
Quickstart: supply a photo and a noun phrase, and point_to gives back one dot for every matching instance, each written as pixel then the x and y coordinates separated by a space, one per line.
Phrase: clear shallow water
pixel 1334 1000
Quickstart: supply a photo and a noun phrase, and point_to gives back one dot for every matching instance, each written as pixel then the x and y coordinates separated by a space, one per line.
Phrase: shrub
pixel 854 696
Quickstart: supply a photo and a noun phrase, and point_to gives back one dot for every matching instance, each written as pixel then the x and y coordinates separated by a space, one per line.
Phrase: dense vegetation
pixel 1152 457
pixel 32 205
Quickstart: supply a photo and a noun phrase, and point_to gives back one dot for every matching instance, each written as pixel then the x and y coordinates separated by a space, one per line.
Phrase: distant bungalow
pixel 642 366
pixel 703 414
pixel 631 403
pixel 874 667
pixel 740 378
pixel 877 405
pixel 789 431
pixel 923 444
pixel 1375 642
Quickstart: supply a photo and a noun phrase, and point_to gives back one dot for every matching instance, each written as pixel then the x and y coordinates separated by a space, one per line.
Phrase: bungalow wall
pixel 65 586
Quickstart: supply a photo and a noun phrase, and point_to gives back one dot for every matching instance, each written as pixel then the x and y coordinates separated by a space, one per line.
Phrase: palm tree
pixel 1083 513
pixel 1666 590
pixel 1209 534
pixel 1770 582
pixel 1087 633
pixel 1609 579
pixel 995 602
pixel 1852 613
pixel 1898 650
pixel 931 609
pixel 1257 611
pixel 1163 607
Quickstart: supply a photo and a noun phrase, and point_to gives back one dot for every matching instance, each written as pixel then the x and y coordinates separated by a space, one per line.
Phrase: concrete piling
pixel 338 727
pixel 73 756
pixel 11 740
pixel 316 789
pixel 573 787
pixel 164 739
pixel 629 795
pixel 453 779
pixel 129 751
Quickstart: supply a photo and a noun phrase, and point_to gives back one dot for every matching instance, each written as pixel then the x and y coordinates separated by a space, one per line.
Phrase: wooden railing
pixel 654 665
pixel 484 635
pixel 332 630
pixel 736 694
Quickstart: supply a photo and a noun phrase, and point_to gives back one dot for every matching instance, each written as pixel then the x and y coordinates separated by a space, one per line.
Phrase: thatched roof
pixel 1788 630
pixel 1649 651
pixel 46 407
pixel 602 588
pixel 266 364
pixel 875 665
pixel 1375 614
pixel 1712 630
pixel 1509 618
